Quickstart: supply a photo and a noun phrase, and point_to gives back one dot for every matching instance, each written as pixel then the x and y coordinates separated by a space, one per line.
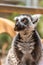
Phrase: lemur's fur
pixel 26 46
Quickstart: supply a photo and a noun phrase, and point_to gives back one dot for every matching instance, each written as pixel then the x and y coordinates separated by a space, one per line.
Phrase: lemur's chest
pixel 26 42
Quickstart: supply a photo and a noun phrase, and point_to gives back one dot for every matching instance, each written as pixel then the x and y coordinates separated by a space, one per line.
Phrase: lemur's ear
pixel 36 18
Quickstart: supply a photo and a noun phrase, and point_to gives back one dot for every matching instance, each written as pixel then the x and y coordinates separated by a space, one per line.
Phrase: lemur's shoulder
pixel 37 39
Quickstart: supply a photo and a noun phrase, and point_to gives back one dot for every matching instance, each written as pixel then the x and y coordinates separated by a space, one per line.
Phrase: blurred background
pixel 32 3
pixel 7 23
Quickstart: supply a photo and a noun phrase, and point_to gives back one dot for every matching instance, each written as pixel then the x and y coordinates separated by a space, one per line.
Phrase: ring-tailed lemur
pixel 26 46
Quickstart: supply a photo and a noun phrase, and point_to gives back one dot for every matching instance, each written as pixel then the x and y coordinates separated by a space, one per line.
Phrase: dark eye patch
pixel 16 20
pixel 25 20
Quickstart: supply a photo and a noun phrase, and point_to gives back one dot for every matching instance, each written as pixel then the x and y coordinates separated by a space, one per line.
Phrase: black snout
pixel 19 26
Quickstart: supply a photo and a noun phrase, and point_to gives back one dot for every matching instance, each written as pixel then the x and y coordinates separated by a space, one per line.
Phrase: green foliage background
pixel 4 37
pixel 41 3
pixel 40 27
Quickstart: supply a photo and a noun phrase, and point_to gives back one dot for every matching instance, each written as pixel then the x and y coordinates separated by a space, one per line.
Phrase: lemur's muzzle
pixel 19 26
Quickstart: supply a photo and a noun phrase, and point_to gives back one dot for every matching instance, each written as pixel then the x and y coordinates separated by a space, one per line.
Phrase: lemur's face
pixel 24 21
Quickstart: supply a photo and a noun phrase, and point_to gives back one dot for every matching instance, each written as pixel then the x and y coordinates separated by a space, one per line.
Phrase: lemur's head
pixel 23 21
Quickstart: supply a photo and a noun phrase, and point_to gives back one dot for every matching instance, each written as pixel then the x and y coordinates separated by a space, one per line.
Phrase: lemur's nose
pixel 17 24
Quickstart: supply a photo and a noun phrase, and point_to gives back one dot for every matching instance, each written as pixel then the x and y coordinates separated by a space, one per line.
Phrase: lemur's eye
pixel 16 20
pixel 24 20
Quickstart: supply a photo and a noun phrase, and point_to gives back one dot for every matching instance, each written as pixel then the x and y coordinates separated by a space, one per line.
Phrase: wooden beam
pixel 7 26
pixel 5 8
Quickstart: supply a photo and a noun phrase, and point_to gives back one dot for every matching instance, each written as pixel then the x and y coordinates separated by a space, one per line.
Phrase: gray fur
pixel 26 46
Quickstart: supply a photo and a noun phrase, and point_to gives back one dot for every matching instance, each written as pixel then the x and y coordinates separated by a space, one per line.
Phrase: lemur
pixel 26 45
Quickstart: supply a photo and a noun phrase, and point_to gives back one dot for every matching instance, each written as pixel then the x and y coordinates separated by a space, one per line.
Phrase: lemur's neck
pixel 26 35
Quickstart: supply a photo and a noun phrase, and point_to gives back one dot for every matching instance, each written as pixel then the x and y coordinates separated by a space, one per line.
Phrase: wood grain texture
pixel 20 9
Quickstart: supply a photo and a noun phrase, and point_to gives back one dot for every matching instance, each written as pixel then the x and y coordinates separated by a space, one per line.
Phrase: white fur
pixel 36 16
pixel 24 16
pixel 21 17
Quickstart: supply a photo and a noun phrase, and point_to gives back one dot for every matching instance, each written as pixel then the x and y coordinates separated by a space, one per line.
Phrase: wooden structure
pixel 5 8
pixel 9 1
pixel 7 26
